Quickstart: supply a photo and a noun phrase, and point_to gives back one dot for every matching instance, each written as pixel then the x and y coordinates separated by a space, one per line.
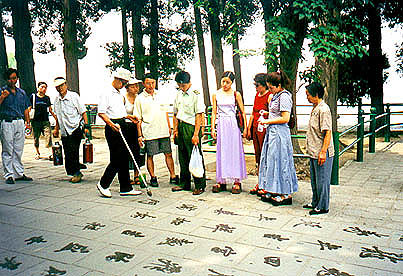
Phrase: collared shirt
pixel 14 105
pixel 320 120
pixel 153 113
pixel 112 103
pixel 188 104
pixel 69 112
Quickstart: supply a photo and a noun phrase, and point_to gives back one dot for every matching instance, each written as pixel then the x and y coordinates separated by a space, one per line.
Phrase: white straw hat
pixel 134 81
pixel 58 81
pixel 122 73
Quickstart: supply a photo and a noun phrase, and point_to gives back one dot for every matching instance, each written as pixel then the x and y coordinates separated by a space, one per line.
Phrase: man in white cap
pixel 111 109
pixel 69 112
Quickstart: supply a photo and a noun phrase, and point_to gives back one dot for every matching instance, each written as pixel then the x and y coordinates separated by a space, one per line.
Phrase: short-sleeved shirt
pixel 151 110
pixel 14 105
pixel 319 121
pixel 188 104
pixel 112 103
pixel 69 112
pixel 281 102
pixel 41 107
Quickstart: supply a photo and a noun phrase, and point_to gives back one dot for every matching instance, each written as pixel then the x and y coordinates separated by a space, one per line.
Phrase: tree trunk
pixel 23 45
pixel 236 61
pixel 126 61
pixel 267 15
pixel 202 54
pixel 215 32
pixel 375 77
pixel 154 26
pixel 3 54
pixel 137 32
pixel 70 44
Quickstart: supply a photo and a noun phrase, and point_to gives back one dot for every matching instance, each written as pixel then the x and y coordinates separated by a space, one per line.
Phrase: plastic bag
pixel 196 163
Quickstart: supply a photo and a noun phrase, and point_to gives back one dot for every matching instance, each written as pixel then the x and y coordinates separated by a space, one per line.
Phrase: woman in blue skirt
pixel 277 172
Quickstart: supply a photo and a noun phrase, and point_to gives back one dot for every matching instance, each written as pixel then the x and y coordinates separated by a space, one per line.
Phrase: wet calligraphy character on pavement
pixel 149 201
pixel 74 247
pixel 32 240
pixel 379 254
pixel 179 221
pixel 261 217
pixel 224 228
pixel 94 226
pixel 275 237
pixel 166 266
pixel 273 261
pixel 10 264
pixel 223 212
pixel 215 273
pixel 189 207
pixel 226 251
pixel 331 272
pixel 360 232
pixel 120 257
pixel 133 233
pixel 142 215
pixel 174 241
pixel 326 244
pixel 308 223
pixel 52 271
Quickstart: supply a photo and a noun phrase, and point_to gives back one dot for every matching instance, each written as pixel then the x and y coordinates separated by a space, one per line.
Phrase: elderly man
pixel 69 112
pixel 14 105
pixel 111 109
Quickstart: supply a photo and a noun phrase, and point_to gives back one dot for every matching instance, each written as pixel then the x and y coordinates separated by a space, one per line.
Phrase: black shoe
pixel 177 189
pixel 154 182
pixel 318 212
pixel 83 167
pixel 285 201
pixel 174 181
pixel 10 180
pixel 307 206
pixel 24 178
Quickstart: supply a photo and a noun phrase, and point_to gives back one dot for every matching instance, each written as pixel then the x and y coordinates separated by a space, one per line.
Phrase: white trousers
pixel 12 140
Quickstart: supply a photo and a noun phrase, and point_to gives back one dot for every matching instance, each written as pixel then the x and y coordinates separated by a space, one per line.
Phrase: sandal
pixel 255 190
pixel 236 188
pixel 136 181
pixel 219 188
pixel 37 157
pixel 281 200
pixel 261 192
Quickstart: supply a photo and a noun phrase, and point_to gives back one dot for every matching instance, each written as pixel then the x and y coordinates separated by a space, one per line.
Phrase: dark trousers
pixel 71 146
pixel 185 147
pixel 118 158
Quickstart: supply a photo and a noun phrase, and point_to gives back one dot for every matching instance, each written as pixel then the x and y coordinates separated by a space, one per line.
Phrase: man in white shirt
pixel 69 112
pixel 111 109
pixel 154 128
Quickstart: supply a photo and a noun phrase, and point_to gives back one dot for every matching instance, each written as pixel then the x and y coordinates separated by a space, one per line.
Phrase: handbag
pixel 32 111
pixel 196 163
pixel 291 121
pixel 238 115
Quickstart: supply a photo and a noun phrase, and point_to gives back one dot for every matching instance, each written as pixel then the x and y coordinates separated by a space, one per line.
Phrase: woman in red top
pixel 257 132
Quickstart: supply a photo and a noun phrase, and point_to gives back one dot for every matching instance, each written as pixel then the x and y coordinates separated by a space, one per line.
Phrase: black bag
pixel 238 115
pixel 291 121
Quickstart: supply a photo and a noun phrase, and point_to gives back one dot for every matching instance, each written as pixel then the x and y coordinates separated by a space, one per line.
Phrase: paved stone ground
pixel 53 227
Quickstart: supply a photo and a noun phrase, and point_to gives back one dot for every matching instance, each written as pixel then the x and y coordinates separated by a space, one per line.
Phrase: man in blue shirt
pixel 14 105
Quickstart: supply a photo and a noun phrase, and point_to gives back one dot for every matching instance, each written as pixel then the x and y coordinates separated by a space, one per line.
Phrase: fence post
pixel 360 135
pixel 90 121
pixel 335 168
pixel 387 132
pixel 372 127
pixel 209 109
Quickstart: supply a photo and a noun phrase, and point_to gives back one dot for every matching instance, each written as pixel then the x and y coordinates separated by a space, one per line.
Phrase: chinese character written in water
pixel 360 232
pixel 189 207
pixel 273 261
pixel 32 240
pixel 10 264
pixel 215 273
pixel 94 226
pixel 174 241
pixel 53 272
pixel 224 228
pixel 149 201
pixel 142 216
pixel 132 233
pixel 331 271
pixel 166 266
pixel 226 251
pixel 261 217
pixel 275 237
pixel 326 244
pixel 119 257
pixel 74 247
pixel 379 254
pixel 178 221
pixel 309 223
pixel 223 212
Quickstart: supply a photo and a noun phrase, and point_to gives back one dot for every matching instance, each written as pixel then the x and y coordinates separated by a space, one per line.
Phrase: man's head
pixel 60 85
pixel 11 75
pixel 149 82
pixel 183 80
pixel 121 78
pixel 314 92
